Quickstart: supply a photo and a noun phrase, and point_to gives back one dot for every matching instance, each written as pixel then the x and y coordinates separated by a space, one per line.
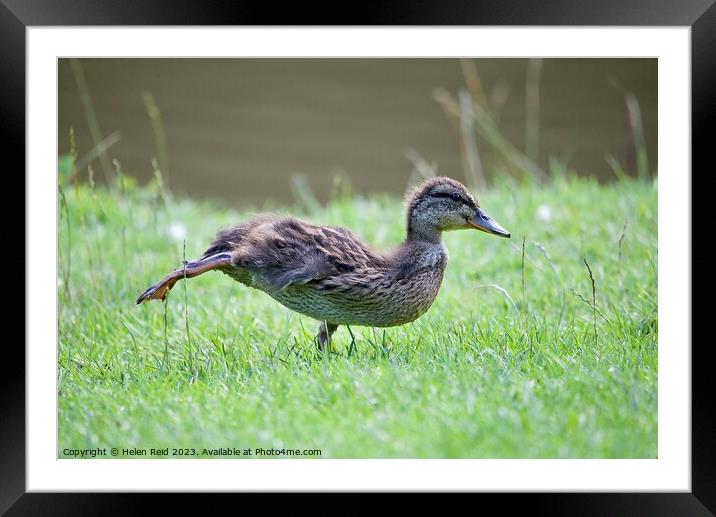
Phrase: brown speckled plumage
pixel 327 273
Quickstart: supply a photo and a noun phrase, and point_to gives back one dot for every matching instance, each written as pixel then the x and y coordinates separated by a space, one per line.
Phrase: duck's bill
pixel 483 222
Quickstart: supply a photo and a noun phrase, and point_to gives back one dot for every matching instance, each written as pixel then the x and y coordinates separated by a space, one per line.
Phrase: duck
pixel 330 275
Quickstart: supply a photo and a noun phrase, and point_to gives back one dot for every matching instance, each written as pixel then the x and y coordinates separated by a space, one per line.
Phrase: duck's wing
pixel 287 251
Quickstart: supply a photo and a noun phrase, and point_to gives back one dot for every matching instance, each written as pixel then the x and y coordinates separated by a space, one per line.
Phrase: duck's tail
pixel 191 269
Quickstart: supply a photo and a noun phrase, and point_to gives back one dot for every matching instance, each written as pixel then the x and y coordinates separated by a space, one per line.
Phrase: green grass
pixel 522 371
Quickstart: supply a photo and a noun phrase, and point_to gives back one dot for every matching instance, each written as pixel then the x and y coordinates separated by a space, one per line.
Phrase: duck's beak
pixel 483 222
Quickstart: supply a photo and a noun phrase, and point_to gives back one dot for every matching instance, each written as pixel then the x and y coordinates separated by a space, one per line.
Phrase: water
pixel 239 129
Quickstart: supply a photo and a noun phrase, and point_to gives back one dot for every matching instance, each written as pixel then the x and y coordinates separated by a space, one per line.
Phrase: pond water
pixel 240 129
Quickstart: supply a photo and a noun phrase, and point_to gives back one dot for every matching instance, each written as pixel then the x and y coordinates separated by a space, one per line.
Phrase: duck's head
pixel 441 204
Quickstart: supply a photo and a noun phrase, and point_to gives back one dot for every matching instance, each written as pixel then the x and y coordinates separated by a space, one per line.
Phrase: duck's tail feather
pixel 159 290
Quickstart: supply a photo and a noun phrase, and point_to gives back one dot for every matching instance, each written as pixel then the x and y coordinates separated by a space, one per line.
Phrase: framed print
pixel 355 342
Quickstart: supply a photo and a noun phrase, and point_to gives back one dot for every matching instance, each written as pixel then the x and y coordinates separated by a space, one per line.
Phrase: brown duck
pixel 328 274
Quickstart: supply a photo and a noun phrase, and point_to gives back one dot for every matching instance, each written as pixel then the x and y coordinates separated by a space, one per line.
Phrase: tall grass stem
pixel 474 173
pixel 91 116
pixel 532 105
pixel 186 315
pixel 160 138
pixel 68 263
pixel 594 299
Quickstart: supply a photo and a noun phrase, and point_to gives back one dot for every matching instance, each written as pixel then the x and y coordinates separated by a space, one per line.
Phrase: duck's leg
pixel 159 290
pixel 325 331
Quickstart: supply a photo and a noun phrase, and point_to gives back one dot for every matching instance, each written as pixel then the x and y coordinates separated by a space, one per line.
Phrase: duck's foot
pixel 190 269
pixel 325 331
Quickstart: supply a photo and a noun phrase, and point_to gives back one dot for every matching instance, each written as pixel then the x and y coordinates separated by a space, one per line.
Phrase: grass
pixel 543 346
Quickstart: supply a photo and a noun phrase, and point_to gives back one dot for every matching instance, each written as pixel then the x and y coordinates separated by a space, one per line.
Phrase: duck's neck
pixel 421 249
pixel 422 233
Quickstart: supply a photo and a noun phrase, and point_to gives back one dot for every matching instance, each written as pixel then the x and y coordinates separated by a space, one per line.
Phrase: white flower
pixel 544 213
pixel 177 231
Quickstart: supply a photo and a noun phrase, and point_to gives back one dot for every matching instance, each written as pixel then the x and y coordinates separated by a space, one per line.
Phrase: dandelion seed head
pixel 177 231
pixel 544 213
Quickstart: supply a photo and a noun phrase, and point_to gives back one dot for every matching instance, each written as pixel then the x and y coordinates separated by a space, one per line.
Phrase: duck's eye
pixel 455 196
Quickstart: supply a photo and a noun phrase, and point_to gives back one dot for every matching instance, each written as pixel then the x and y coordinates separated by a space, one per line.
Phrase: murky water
pixel 241 128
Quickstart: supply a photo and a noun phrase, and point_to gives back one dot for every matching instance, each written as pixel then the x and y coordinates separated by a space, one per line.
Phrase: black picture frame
pixel 16 15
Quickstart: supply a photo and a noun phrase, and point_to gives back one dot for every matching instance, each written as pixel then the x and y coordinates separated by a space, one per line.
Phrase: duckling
pixel 327 273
